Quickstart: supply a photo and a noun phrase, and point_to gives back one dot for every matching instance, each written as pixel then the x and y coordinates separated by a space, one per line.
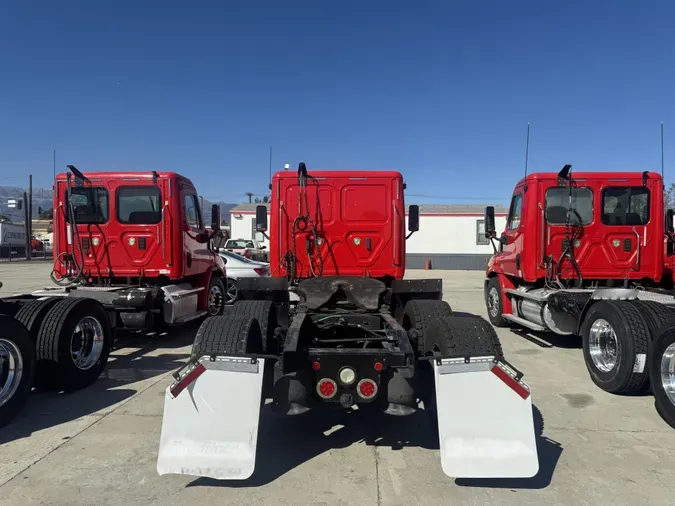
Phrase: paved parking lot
pixel 99 446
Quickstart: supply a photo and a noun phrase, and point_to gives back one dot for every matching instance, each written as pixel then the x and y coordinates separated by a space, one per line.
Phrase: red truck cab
pixel 358 218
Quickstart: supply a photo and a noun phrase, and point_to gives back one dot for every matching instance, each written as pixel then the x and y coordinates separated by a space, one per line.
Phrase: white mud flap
pixel 485 420
pixel 210 423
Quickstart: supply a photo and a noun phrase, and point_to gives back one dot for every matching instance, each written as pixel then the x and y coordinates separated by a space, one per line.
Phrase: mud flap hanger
pixel 504 370
pixel 187 374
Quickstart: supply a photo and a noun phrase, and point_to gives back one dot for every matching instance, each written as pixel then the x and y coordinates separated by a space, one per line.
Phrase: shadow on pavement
pixel 285 443
pixel 48 409
pixel 548 339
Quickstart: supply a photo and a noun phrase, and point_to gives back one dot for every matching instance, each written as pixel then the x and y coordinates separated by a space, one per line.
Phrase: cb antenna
pixel 270 187
pixel 662 166
pixel 527 150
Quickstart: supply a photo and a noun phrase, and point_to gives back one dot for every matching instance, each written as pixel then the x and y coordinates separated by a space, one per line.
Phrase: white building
pixel 451 236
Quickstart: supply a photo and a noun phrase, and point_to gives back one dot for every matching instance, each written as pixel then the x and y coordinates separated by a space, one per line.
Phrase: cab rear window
pixel 90 204
pixel 139 205
pixel 558 202
pixel 626 205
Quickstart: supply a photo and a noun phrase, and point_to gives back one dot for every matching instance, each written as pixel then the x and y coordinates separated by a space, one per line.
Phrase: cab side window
pixel 192 215
pixel 515 212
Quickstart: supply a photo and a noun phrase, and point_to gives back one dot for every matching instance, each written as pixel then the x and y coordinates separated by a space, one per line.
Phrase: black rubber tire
pixel 467 336
pixel 266 314
pixel 656 315
pixel 496 319
pixel 227 335
pixel 664 407
pixel 12 330
pixel 418 314
pixel 33 313
pixel 217 281
pixel 56 369
pixel 632 332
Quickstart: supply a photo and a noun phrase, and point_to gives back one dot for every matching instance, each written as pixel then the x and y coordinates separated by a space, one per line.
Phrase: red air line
pixel 510 382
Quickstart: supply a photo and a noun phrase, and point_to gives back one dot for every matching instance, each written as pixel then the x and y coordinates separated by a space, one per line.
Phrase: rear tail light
pixel 326 388
pixel 367 388
pixel 260 271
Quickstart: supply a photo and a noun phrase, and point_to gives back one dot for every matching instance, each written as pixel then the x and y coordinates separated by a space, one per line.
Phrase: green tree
pixel 669 197
pixel 263 200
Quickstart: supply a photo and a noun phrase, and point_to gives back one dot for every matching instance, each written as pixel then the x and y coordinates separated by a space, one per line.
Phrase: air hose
pixel 66 258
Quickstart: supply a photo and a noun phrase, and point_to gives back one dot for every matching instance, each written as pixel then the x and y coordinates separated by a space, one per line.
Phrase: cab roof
pixel 332 173
pixel 142 174
pixel 599 176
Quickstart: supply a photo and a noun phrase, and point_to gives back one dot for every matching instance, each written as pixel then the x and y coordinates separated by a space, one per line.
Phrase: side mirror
pixel 215 217
pixel 670 229
pixel 261 218
pixel 413 218
pixel 262 246
pixel 490 227
pixel 218 241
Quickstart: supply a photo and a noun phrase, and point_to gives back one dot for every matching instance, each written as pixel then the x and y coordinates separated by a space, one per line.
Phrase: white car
pixel 238 267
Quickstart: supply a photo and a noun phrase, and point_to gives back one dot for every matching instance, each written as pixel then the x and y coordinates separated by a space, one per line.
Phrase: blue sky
pixel 441 90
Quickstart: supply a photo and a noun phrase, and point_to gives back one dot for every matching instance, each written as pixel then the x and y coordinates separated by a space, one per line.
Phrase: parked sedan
pixel 238 267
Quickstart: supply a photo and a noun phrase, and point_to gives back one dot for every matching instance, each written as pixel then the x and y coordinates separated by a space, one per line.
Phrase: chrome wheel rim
pixel 493 302
pixel 231 292
pixel 86 343
pixel 668 372
pixel 215 299
pixel 603 345
pixel 11 370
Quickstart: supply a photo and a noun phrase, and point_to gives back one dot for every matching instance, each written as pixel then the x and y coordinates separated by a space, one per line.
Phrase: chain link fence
pixel 18 254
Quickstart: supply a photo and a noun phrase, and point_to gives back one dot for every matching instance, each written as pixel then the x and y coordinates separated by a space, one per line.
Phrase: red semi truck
pixel 131 252
pixel 358 337
pixel 584 255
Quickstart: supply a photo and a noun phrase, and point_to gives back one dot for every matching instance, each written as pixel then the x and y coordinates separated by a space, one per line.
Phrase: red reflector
pixel 326 388
pixel 316 366
pixel 379 366
pixel 367 388
pixel 510 382
pixel 185 382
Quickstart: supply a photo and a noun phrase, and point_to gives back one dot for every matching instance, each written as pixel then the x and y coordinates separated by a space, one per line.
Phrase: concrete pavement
pixel 99 446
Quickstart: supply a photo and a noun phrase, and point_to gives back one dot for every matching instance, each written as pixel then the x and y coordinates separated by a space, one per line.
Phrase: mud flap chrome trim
pixel 211 417
pixel 485 420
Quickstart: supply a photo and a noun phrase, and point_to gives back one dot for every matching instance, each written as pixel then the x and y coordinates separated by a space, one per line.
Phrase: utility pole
pixel 30 210
pixel 54 164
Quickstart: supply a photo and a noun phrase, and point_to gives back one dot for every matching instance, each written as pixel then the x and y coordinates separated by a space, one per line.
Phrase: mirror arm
pixel 408 236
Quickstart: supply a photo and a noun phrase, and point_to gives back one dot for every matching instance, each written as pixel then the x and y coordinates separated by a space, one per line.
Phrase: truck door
pixel 195 254
pixel 512 238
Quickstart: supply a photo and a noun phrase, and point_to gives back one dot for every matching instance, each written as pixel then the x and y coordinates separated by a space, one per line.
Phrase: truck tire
pixel 227 335
pixel 216 297
pixel 656 315
pixel 493 302
pixel 73 344
pixel 615 339
pixel 418 314
pixel 32 314
pixel 266 314
pixel 17 367
pixel 467 336
pixel 662 373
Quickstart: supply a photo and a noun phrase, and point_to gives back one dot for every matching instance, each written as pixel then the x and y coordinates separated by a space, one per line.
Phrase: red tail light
pixel 247 254
pixel 260 271
pixel 367 388
pixel 326 388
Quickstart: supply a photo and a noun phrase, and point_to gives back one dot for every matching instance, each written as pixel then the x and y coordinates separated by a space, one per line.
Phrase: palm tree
pixel 264 200
pixel 250 196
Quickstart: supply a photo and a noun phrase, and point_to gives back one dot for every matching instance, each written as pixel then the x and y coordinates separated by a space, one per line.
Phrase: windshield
pixel 139 205
pixel 90 204
pixel 239 243
pixel 558 202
